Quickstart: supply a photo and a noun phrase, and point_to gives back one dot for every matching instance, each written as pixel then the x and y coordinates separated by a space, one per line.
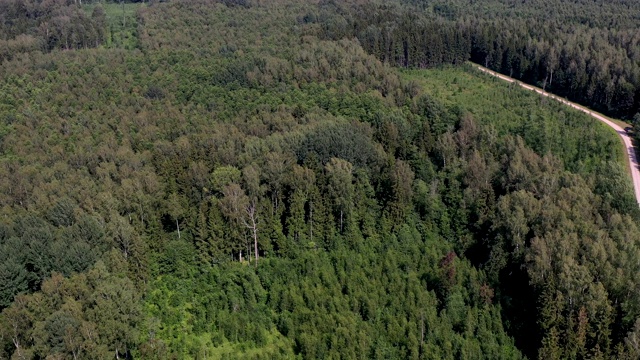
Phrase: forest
pixel 254 179
pixel 586 51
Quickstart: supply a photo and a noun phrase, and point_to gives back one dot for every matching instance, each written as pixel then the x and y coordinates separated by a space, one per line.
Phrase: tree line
pixel 578 51
pixel 237 185
pixel 46 25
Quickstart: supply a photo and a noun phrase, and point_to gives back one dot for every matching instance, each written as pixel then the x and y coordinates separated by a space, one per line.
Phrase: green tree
pixel 340 188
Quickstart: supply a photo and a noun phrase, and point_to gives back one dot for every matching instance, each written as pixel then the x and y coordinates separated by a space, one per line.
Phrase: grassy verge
pixel 622 157
pixel 510 109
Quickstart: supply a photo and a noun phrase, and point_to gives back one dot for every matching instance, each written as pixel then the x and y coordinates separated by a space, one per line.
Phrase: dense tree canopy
pixel 586 51
pixel 252 179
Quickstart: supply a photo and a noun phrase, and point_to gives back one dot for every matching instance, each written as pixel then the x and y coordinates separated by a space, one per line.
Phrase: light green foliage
pixel 327 305
pixel 545 126
pixel 224 176
pixel 120 23
pixel 421 215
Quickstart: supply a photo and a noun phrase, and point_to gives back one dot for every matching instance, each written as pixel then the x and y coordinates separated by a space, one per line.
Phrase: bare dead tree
pixel 250 221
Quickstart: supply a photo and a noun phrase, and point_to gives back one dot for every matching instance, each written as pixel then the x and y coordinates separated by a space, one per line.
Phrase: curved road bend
pixel 631 154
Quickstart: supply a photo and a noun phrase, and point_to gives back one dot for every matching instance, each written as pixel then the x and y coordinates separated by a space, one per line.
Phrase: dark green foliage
pixel 584 50
pixel 89 229
pixel 154 93
pixel 14 277
pixel 348 141
pixel 33 248
pixel 46 25
pixel 235 179
pixel 62 213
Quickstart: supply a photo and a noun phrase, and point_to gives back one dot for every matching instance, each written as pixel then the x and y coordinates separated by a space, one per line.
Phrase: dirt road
pixel 631 154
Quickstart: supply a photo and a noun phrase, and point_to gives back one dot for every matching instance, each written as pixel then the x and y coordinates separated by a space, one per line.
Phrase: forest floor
pixel 618 126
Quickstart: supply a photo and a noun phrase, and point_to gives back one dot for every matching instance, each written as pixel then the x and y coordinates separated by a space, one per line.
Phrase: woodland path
pixel 628 143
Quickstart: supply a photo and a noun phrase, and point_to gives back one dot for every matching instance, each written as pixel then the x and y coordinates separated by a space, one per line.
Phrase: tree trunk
pixel 255 244
pixel 310 220
pixel 251 222
pixel 254 230
pixel 16 343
